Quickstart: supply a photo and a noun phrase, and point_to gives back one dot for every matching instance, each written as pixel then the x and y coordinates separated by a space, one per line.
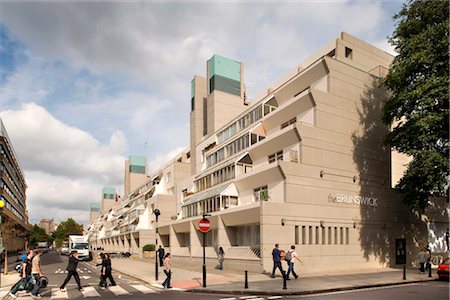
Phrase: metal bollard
pixel 246 280
pixel 284 281
pixel 404 272
pixel 429 269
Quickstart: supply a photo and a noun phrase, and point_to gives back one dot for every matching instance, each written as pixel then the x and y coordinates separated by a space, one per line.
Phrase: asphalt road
pixel 428 290
pixel 54 266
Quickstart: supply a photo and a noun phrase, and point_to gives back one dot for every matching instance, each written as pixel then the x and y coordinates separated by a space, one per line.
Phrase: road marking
pixel 234 298
pixel 248 297
pixel 274 297
pixel 117 290
pixel 85 277
pixel 89 291
pixel 143 289
pixel 358 290
pixel 57 294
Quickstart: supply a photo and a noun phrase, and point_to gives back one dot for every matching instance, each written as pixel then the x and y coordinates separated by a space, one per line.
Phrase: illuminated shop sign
pixel 348 199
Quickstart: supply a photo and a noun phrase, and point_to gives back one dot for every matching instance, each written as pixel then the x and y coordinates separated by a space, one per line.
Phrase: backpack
pixel 288 256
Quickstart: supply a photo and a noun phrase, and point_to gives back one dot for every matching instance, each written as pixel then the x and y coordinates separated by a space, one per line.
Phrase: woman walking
pixel 167 271
pixel 221 257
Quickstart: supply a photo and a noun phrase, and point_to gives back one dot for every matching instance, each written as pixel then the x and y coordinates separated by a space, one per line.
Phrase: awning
pixel 227 189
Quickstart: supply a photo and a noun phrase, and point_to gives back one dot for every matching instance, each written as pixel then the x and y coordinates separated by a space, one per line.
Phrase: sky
pixel 83 85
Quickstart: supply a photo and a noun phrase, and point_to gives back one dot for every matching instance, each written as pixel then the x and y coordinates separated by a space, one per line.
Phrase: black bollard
pixel 284 280
pixel 246 280
pixel 404 272
pixel 429 269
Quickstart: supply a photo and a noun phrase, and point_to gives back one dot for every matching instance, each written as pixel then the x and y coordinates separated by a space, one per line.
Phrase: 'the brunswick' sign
pixel 347 199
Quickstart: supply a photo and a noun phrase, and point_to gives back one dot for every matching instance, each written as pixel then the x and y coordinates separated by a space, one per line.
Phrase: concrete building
pixel 302 164
pixel 48 225
pixel 14 220
pixel 130 224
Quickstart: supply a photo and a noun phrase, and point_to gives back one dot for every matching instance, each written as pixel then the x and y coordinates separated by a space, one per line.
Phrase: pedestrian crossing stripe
pixel 143 289
pixel 57 294
pixel 117 290
pixel 89 291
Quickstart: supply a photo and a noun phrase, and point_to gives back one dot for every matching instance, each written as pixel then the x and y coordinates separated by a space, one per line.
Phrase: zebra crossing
pixel 87 292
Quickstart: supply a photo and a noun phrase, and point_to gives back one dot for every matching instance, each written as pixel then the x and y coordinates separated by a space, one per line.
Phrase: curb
pixel 292 293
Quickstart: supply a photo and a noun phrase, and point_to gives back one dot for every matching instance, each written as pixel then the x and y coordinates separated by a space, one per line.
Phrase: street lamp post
pixel 157 213
pixel 204 247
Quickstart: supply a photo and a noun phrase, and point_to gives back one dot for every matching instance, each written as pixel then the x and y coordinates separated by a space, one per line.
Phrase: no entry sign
pixel 204 225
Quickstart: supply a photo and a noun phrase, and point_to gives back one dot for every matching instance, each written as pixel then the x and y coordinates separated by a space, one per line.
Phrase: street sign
pixel 204 225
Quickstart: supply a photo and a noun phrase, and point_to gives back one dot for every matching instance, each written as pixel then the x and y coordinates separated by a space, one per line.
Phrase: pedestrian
pixel 161 254
pixel 167 271
pixel 447 237
pixel 428 256
pixel 108 270
pixel 421 257
pixel 25 281
pixel 289 257
pixel 37 273
pixel 102 271
pixel 221 258
pixel 72 271
pixel 276 256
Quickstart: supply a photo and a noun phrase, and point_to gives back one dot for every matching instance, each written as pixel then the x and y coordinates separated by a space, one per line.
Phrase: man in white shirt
pixel 291 256
pixel 36 271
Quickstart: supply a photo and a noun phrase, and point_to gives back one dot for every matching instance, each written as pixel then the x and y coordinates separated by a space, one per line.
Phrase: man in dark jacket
pixel 161 254
pixel 276 256
pixel 72 271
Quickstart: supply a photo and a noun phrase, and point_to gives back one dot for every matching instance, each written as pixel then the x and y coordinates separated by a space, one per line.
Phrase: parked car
pixel 65 250
pixel 443 269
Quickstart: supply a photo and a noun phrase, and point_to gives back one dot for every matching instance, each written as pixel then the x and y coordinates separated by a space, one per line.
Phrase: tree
pixel 418 108
pixel 65 229
pixel 37 234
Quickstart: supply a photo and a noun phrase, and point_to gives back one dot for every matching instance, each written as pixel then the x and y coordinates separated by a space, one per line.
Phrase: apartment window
pixel 348 52
pixel 275 157
pixel 192 104
pixel 168 177
pixel 261 193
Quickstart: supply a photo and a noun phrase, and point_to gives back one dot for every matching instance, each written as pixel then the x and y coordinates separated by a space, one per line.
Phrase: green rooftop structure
pixel 137 164
pixel 109 192
pixel 224 74
pixel 95 206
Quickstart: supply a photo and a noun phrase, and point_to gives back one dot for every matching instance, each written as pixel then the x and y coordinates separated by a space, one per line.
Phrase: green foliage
pixel 148 247
pixel 419 103
pixel 65 229
pixel 37 234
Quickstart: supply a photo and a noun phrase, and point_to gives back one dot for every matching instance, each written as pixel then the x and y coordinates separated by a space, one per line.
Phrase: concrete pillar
pixel 173 241
pixel 223 239
pixel 196 247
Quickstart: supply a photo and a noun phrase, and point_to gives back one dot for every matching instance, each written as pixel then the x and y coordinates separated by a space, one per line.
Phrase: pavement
pixel 189 278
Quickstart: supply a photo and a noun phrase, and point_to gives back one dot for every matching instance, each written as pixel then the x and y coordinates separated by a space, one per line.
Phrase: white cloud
pixel 65 167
